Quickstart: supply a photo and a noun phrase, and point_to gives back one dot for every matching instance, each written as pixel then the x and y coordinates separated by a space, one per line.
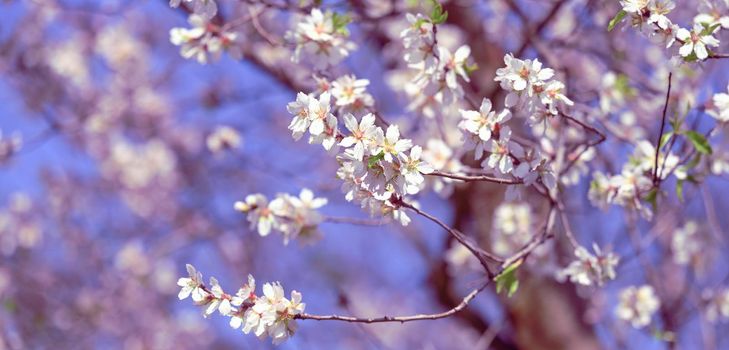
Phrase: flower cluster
pixel 629 187
pixel 349 93
pixel 633 184
pixel 437 68
pixel 511 227
pixel 590 269
pixel 637 305
pixel 205 40
pixel 485 132
pixel 717 304
pixel 531 87
pixel 203 8
pixel 649 16
pixel 378 170
pixel 322 37
pixel 292 216
pixel 270 314
pixel 688 244
pixel 377 166
pixel 19 226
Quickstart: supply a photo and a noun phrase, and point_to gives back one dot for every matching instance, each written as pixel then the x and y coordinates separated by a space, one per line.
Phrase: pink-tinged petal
pixel 485 106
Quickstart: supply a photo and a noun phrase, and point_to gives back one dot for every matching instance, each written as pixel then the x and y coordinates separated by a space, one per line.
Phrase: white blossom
pixel 390 144
pixel 637 305
pixel 268 315
pixel 717 304
pixel 351 94
pixel 591 269
pixel 453 64
pixel 260 215
pixel 223 138
pixel 485 122
pixel 204 41
pixel 412 169
pixel 192 285
pixel 317 38
pixel 203 8
pixel 687 244
pixel 361 136
pixel 720 110
pixel 696 41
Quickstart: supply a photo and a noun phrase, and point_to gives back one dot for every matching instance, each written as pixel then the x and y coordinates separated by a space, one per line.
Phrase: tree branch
pixel 470 178
pixel 401 319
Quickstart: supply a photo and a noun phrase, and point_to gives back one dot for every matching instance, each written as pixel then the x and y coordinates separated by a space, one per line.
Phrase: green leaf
pixel 679 190
pixel 470 68
pixel 507 279
pixel 699 142
pixel 665 138
pixel 694 162
pixel 340 23
pixel 372 161
pixel 708 30
pixel 618 17
pixel 652 198
pixel 437 15
pixel 691 58
pixel 666 336
pixel 419 22
pixel 622 84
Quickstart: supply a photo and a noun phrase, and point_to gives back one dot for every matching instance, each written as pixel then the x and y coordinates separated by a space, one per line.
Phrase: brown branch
pixel 717 56
pixel 354 221
pixel 600 134
pixel 479 253
pixel 401 319
pixel 471 178
pixel 660 134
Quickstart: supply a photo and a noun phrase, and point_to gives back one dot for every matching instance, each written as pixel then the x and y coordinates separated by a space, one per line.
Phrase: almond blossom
pixel 270 314
pixel 484 122
pixel 319 41
pixel 720 103
pixel 362 135
pixel 696 42
pixel 591 269
pixel 637 305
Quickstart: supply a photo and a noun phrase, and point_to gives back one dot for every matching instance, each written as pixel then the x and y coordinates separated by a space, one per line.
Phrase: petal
pixel 485 106
pixel 686 49
pixel 701 52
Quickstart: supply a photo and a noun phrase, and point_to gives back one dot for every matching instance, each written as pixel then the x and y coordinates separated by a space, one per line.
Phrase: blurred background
pixel 115 185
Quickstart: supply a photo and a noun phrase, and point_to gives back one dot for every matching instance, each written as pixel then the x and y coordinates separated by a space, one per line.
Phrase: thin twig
pixel 472 178
pixel 401 319
pixel 479 253
pixel 354 221
pixel 660 134
pixel 566 225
